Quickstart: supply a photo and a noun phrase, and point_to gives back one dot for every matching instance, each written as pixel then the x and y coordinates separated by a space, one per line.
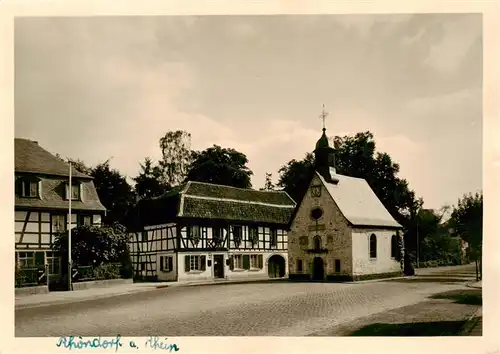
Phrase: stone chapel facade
pixel 341 230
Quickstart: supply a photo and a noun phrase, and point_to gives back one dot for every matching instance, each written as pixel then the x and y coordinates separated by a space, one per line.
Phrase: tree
pixel 150 182
pixel 467 221
pixel 220 166
pixel 114 192
pixel 295 176
pixel 95 246
pixel 268 185
pixel 176 154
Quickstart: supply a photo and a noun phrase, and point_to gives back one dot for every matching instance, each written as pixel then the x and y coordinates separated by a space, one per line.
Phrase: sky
pixel 109 87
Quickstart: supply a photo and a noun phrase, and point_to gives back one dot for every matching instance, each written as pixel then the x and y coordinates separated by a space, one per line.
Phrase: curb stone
pixel 471 322
pixel 82 299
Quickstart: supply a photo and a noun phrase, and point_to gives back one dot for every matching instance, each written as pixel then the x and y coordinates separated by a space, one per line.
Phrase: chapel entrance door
pixel 318 269
pixel 219 266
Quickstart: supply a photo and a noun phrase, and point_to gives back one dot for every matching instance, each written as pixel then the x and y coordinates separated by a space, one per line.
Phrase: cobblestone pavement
pixel 279 309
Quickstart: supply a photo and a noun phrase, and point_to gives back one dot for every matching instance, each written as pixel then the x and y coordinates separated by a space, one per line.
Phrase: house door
pixel 219 266
pixel 318 269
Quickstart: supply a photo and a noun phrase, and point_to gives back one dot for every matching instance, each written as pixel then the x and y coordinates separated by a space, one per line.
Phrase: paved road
pixel 274 309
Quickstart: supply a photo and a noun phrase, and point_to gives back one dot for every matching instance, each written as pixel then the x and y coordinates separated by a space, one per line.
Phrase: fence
pixel 37 275
pixel 32 276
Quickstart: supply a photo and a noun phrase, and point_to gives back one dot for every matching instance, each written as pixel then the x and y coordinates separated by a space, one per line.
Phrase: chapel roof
pixel 358 203
pixel 322 141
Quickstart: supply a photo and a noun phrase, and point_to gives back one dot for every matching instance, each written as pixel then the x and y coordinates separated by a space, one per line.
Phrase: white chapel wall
pixel 362 263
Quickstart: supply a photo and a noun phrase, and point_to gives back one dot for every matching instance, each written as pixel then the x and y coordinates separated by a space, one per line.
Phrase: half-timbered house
pixel 201 231
pixel 42 195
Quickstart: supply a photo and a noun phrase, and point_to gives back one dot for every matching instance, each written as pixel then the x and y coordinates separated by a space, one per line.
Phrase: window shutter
pixel 231 263
pixel 161 263
pixel 81 192
pixel 260 261
pixel 19 187
pixel 170 264
pixel 246 261
pixel 203 263
pixel 186 264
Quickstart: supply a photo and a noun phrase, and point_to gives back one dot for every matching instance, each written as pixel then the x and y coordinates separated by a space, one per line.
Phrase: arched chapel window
pixel 394 246
pixel 373 246
pixel 317 242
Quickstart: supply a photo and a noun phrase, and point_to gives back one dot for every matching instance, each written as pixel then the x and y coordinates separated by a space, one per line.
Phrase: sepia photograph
pixel 300 175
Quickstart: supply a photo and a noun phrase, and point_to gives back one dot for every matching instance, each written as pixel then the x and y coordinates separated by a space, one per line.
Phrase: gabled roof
pixel 200 200
pixel 32 158
pixel 358 203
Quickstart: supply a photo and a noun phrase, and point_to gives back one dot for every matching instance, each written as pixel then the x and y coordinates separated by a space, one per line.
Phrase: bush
pixel 107 271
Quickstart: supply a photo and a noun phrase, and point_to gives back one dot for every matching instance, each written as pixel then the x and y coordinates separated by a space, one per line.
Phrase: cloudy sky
pixel 95 88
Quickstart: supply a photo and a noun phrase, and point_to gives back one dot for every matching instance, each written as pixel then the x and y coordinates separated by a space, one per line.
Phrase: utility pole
pixel 70 196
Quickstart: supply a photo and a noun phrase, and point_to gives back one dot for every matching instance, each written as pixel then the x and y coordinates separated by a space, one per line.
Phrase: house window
pixel 337 266
pixel 166 264
pixel 317 242
pixel 144 236
pixel 373 246
pixel 195 263
pixel 58 223
pixel 53 262
pixel 237 235
pixel 254 261
pixel 30 189
pixel 274 238
pixel 143 266
pixel 238 261
pixel 26 259
pixel 217 236
pixel 85 220
pixel 254 236
pixel 394 246
pixel 75 191
pixel 194 233
pixel 299 265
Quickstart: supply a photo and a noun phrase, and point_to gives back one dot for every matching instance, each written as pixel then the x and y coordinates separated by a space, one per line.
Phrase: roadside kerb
pixel 471 322
pixel 62 301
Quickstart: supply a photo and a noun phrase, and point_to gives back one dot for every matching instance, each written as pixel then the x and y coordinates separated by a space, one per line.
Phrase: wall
pixel 36 229
pixel 254 273
pixel 163 275
pixel 362 262
pixel 196 275
pixel 332 227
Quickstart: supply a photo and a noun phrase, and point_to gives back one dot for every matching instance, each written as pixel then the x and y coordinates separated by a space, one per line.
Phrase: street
pixel 253 309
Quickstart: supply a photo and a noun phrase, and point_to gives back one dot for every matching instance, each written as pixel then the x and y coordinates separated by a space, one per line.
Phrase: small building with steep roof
pixel 201 231
pixel 42 195
pixel 341 230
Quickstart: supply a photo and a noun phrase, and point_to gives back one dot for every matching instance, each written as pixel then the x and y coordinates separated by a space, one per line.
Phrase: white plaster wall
pixel 195 275
pixel 167 276
pixel 362 263
pixel 256 273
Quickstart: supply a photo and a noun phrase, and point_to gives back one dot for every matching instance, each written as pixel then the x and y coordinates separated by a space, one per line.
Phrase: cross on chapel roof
pixel 323 116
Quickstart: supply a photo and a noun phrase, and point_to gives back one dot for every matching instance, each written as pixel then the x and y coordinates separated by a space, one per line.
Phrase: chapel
pixel 341 230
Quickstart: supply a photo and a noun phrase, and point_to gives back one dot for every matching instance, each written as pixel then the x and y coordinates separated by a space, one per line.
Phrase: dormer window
pixel 75 192
pixel 31 189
